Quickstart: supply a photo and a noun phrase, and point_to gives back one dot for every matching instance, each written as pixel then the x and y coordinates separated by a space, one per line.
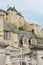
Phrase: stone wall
pixel 40 57
pixel 1 27
pixel 14 40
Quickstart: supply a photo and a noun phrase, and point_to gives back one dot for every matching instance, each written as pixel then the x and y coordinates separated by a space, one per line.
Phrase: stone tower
pixel 14 17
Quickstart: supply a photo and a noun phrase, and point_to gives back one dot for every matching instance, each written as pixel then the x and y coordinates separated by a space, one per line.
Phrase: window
pixel 26 41
pixel 33 41
pixel 7 35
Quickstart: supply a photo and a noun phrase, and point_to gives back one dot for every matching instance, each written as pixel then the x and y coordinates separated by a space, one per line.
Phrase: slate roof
pixel 19 32
pixel 18 13
pixel 6 27
pixel 2 11
pixel 23 33
pixel 12 9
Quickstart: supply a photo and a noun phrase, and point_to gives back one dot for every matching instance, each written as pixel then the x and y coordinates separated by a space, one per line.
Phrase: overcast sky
pixel 32 10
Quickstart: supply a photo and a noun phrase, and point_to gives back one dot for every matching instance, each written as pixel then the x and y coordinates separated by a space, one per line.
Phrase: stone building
pixel 18 47
pixel 14 17
pixel 37 52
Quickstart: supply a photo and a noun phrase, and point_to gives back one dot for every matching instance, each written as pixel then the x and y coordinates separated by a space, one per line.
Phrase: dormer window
pixel 25 40
pixel 33 41
pixel 6 35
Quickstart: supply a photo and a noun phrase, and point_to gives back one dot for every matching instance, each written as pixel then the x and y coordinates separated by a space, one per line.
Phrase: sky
pixel 32 10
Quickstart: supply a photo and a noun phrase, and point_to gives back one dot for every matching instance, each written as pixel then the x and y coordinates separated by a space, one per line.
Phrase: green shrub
pixel 21 28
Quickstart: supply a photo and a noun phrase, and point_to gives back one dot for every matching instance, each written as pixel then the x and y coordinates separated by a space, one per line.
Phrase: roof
pixel 2 11
pixel 18 13
pixel 21 33
pixel 12 9
pixel 6 27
